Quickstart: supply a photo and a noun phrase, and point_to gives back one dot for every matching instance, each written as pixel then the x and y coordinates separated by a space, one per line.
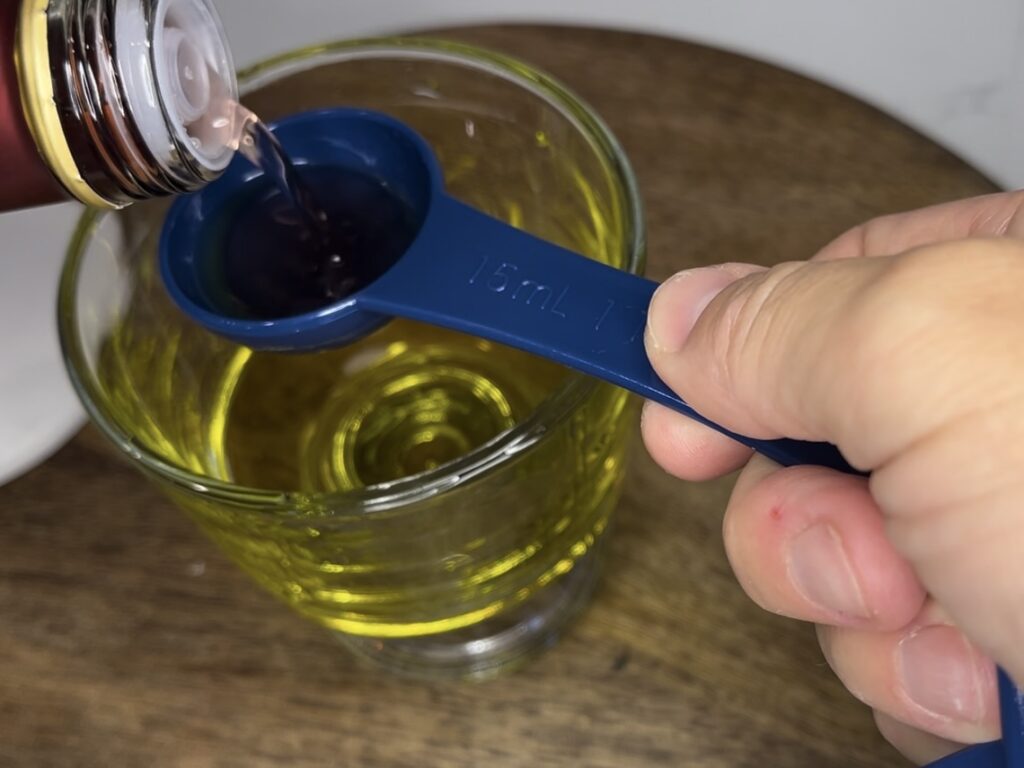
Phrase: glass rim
pixel 482 460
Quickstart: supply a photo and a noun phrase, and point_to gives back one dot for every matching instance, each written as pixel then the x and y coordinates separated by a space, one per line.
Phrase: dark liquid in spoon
pixel 300 238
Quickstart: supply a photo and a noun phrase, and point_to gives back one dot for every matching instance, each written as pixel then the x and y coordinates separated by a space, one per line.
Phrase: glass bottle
pixel 112 101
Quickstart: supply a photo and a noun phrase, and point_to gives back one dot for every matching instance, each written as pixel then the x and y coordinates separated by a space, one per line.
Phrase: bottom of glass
pixel 492 647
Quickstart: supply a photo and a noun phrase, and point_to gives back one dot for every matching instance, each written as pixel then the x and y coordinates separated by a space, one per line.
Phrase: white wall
pixel 952 68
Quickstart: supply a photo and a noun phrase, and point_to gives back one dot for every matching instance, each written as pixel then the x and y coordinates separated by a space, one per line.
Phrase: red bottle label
pixel 25 179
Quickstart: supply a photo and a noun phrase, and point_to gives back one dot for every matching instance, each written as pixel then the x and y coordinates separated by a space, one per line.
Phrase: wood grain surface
pixel 126 639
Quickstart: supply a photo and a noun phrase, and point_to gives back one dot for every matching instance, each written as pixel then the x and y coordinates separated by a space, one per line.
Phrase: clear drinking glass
pixel 436 500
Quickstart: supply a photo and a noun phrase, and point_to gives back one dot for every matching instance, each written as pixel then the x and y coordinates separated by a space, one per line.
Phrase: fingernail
pixel 679 302
pixel 943 674
pixel 821 571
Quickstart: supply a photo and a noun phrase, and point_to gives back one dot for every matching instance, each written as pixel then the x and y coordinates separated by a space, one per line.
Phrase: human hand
pixel 902 342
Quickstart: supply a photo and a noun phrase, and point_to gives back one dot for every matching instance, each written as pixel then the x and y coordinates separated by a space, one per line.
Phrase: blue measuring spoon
pixel 470 272
pixel 464 270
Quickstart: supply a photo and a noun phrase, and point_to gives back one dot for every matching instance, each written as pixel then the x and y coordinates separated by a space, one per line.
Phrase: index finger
pixel 997 215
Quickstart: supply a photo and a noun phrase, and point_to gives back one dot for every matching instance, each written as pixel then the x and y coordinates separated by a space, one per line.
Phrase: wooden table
pixel 127 640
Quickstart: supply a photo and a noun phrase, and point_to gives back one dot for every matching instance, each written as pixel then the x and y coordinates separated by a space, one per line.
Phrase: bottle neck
pixel 94 89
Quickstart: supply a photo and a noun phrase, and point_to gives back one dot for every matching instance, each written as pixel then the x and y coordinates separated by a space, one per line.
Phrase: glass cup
pixel 438 501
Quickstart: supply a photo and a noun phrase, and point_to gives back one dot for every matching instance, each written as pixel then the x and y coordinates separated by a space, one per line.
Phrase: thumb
pixel 905 363
pixel 764 352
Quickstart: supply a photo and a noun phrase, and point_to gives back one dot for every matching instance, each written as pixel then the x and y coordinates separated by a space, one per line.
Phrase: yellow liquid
pixel 406 400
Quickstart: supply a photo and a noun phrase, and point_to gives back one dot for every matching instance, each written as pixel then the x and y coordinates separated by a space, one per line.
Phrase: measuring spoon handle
pixel 472 273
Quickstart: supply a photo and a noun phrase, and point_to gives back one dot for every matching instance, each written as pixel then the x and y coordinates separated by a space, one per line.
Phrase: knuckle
pixel 744 339
pixel 920 325
pixel 924 294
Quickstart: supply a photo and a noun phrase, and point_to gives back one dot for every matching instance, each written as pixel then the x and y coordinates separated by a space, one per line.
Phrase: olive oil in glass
pixel 442 496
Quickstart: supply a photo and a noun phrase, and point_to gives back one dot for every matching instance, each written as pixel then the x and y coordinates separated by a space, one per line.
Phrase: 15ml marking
pixel 505 279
